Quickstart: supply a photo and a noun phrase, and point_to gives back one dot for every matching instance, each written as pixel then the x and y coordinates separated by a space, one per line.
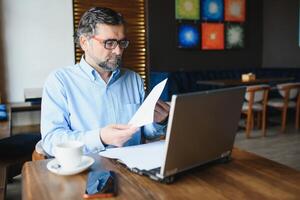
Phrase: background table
pixel 247 176
pixel 22 107
pixel 239 82
pixel 6 126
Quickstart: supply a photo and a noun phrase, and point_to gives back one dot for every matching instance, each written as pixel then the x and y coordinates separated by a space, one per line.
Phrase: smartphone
pixel 100 184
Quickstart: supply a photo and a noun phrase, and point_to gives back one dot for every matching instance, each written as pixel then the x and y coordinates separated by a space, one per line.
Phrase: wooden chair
pixel 38 153
pixel 256 102
pixel 37 156
pixel 291 99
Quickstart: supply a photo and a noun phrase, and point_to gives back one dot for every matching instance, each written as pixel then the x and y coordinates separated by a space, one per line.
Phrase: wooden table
pixel 6 126
pixel 239 82
pixel 22 107
pixel 247 176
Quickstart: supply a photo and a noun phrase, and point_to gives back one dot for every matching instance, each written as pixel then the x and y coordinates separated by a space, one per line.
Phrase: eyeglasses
pixel 111 44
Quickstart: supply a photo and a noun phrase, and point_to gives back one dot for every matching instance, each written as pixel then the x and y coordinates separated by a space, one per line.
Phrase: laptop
pixel 201 129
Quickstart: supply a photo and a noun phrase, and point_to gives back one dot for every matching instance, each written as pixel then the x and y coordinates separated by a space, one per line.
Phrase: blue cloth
pixel 2 107
pixel 77 103
pixel 3 113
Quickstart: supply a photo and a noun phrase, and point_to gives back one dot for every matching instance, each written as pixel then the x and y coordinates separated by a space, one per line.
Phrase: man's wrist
pixel 164 122
pixel 104 144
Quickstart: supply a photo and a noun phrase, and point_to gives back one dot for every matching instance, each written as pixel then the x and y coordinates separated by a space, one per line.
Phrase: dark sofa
pixel 186 81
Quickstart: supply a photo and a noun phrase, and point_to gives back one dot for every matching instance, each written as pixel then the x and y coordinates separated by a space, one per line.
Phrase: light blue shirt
pixel 77 103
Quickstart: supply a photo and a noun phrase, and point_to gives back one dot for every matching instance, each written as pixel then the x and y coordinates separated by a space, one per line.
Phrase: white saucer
pixel 54 166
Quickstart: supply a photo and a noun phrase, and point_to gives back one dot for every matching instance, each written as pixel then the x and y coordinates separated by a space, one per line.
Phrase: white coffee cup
pixel 69 154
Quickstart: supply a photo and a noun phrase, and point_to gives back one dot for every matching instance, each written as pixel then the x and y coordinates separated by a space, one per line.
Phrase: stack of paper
pixel 143 157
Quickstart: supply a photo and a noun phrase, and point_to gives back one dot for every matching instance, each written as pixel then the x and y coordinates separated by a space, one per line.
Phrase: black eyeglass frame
pixel 111 44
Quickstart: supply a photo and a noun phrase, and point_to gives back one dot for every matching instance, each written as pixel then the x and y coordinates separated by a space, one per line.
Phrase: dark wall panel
pixel 165 56
pixel 280 33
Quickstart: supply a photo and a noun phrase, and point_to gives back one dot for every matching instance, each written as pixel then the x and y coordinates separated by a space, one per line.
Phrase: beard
pixel 111 64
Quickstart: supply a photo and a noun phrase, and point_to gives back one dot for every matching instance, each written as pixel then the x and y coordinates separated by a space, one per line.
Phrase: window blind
pixel 133 11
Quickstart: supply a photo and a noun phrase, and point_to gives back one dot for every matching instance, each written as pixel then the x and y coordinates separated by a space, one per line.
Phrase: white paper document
pixel 143 157
pixel 144 115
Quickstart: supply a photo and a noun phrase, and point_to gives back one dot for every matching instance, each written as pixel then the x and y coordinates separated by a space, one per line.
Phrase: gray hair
pixel 94 16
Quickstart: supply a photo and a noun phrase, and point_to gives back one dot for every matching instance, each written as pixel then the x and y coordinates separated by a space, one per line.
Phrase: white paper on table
pixel 144 115
pixel 143 157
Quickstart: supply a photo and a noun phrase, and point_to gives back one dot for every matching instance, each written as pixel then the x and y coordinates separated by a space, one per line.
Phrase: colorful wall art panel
pixel 235 10
pixel 187 9
pixel 211 24
pixel 188 36
pixel 212 36
pixel 212 10
pixel 234 34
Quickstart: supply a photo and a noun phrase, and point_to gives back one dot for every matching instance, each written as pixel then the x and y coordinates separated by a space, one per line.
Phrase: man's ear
pixel 84 43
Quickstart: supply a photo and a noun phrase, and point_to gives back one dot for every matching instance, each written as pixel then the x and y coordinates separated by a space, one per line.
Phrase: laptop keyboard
pixel 153 175
pixel 154 171
pixel 151 172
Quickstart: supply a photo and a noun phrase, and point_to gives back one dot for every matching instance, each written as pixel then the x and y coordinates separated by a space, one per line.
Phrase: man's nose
pixel 118 50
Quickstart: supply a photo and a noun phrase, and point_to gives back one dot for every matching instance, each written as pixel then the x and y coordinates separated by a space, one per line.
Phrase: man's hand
pixel 117 134
pixel 161 111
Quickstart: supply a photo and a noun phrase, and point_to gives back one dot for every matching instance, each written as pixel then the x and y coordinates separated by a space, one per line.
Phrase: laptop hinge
pixel 171 171
pixel 226 154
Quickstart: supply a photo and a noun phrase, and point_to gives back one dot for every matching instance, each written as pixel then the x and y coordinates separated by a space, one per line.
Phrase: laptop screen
pixel 201 128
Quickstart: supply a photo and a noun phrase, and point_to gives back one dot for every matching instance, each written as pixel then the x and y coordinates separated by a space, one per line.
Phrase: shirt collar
pixel 93 74
pixel 90 71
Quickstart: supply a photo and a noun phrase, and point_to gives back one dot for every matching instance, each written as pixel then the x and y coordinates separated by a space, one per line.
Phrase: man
pixel 93 100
